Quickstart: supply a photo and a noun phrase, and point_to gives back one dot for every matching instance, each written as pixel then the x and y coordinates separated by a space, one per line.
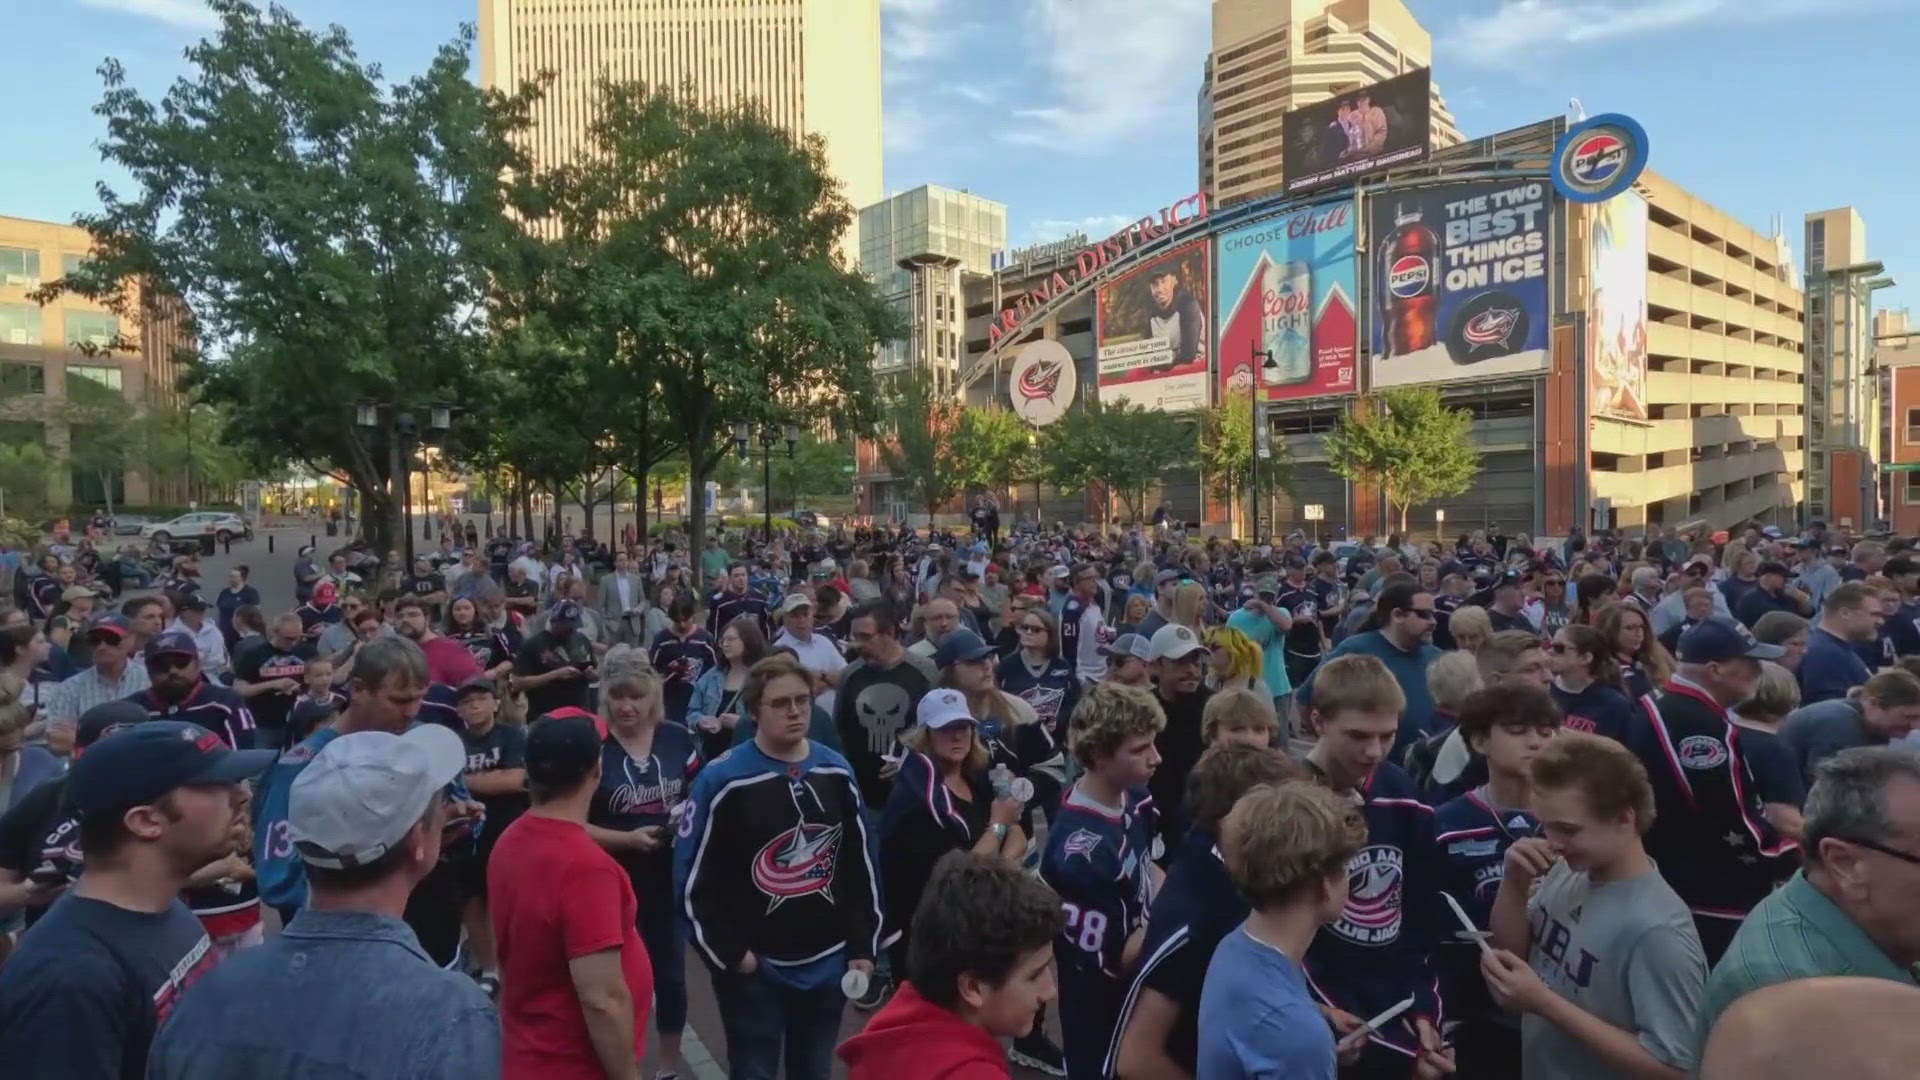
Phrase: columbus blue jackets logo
pixel 1372 914
pixel 1701 752
pixel 797 863
pixel 1082 843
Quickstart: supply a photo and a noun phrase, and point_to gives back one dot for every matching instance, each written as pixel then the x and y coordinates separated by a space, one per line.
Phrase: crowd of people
pixel 1131 804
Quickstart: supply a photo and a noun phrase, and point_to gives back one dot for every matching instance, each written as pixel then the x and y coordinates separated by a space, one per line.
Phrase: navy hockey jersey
pixel 1096 859
pixel 214 707
pixel 1196 907
pixel 1378 951
pixel 1471 838
pixel 1053 691
pixel 773 858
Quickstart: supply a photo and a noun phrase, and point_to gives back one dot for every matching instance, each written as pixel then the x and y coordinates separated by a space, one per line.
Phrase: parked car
pixel 130 524
pixel 219 524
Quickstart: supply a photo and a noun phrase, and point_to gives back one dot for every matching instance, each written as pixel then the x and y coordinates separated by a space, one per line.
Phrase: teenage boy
pixel 1099 858
pixel 1507 727
pixel 1376 952
pixel 1287 848
pixel 1158 1031
pixel 979 969
pixel 1613 972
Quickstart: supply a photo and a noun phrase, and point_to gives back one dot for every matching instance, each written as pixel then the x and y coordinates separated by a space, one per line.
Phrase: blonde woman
pixel 1190 606
pixel 1470 627
pixel 22 767
pixel 1237 663
pixel 1776 774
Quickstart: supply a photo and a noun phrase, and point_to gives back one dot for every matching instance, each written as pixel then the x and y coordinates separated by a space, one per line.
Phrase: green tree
pixel 1226 457
pixel 992 448
pixel 818 467
pixel 733 302
pixel 1409 444
pixel 917 428
pixel 332 234
pixel 105 435
pixel 188 440
pixel 23 481
pixel 1125 448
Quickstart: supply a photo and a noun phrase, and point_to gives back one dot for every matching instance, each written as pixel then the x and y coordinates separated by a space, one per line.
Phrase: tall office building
pixel 917 247
pixel 814 64
pixel 71 350
pixel 1273 55
pixel 1843 414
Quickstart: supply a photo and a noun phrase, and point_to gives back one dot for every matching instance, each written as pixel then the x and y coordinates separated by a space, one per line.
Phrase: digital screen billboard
pixel 1331 141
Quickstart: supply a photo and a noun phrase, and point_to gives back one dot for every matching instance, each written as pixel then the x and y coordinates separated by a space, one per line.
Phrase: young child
pixel 1613 972
pixel 316 705
pixel 1375 954
pixel 1099 858
pixel 1287 848
pixel 1158 1030
pixel 979 968
pixel 1506 726
pixel 1241 716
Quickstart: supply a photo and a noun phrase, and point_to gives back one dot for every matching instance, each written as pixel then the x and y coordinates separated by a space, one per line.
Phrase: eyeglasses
pixel 1420 612
pixel 170 662
pixel 1905 857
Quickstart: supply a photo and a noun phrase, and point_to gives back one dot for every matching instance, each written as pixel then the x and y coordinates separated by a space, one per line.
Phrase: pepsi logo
pixel 1597 158
pixel 1409 276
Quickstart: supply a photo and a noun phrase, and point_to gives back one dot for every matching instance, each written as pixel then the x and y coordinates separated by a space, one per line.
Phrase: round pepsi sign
pixel 1599 158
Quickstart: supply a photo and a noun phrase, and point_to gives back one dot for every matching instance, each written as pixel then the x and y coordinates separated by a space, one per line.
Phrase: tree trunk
pixel 394 516
pixel 698 469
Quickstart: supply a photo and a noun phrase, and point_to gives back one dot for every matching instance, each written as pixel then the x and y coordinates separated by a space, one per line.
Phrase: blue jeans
pixel 761 1016
pixel 665 935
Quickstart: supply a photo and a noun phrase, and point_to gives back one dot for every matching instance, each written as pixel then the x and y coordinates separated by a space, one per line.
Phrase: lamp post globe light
pixel 770 436
pixel 402 427
pixel 1256 435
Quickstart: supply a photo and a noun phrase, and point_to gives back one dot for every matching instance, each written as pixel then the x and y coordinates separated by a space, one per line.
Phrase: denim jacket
pixel 338 993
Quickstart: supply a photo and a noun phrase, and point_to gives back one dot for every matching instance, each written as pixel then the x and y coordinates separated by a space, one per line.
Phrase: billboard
pixel 1331 141
pixel 1617 308
pixel 1460 286
pixel 1042 382
pixel 1287 288
pixel 1154 332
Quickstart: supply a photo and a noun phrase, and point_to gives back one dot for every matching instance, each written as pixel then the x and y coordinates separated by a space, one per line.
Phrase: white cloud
pixel 913 32
pixel 1520 31
pixel 186 14
pixel 1116 69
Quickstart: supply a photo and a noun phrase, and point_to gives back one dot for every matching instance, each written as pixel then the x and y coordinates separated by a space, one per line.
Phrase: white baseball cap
pixel 794 602
pixel 943 708
pixel 361 793
pixel 1174 642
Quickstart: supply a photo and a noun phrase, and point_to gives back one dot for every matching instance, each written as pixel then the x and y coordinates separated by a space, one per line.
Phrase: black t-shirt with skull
pixel 875 706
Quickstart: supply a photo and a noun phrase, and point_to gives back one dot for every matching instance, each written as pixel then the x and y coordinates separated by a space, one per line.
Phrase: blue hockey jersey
pixel 1378 951
pixel 1471 838
pixel 1053 691
pixel 1096 859
pixel 773 858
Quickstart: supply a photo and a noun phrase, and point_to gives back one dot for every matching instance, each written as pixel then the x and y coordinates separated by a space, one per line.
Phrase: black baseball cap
pixel 562 747
pixel 134 766
pixel 104 719
pixel 1773 568
pixel 193 602
pixel 565 609
pixel 1720 638
pixel 479 684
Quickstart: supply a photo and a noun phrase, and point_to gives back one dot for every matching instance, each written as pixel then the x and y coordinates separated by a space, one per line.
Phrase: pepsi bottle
pixel 1408 272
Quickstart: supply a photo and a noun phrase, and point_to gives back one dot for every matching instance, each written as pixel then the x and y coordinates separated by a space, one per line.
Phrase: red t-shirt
pixel 554 896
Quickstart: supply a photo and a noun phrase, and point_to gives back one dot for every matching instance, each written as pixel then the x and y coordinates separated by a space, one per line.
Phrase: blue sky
pixel 1081 113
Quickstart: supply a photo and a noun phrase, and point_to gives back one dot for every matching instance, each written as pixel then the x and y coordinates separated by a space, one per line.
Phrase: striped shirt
pixel 77 693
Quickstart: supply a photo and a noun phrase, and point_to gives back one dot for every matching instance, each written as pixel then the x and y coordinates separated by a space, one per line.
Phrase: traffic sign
pixel 1315 512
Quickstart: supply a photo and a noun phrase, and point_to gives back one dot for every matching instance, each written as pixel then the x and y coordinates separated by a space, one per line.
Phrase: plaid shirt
pixel 77 693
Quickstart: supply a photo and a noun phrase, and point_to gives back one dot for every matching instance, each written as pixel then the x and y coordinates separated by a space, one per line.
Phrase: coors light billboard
pixel 1460 281
pixel 1286 285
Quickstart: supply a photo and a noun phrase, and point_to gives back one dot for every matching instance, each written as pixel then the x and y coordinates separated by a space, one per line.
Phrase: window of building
pixel 19 266
pixel 23 379
pixel 1913 488
pixel 1913 426
pixel 87 379
pixel 19 324
pixel 92 330
pixel 71 263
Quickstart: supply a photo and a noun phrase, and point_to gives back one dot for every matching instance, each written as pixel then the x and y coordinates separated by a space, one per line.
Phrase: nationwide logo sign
pixel 1042 383
pixel 1599 158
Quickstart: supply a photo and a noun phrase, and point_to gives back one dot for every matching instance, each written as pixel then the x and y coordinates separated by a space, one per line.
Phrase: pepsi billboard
pixel 1460 281
pixel 1332 141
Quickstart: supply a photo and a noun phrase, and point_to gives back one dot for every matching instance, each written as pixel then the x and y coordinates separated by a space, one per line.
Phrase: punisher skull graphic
pixel 882 710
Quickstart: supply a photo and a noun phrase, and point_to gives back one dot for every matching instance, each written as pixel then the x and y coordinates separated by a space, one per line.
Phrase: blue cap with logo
pixel 174 642
pixel 1720 638
pixel 961 646
pixel 137 765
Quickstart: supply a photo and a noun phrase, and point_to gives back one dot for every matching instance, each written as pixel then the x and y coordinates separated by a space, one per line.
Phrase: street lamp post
pixel 1262 361
pixel 406 429
pixel 770 436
